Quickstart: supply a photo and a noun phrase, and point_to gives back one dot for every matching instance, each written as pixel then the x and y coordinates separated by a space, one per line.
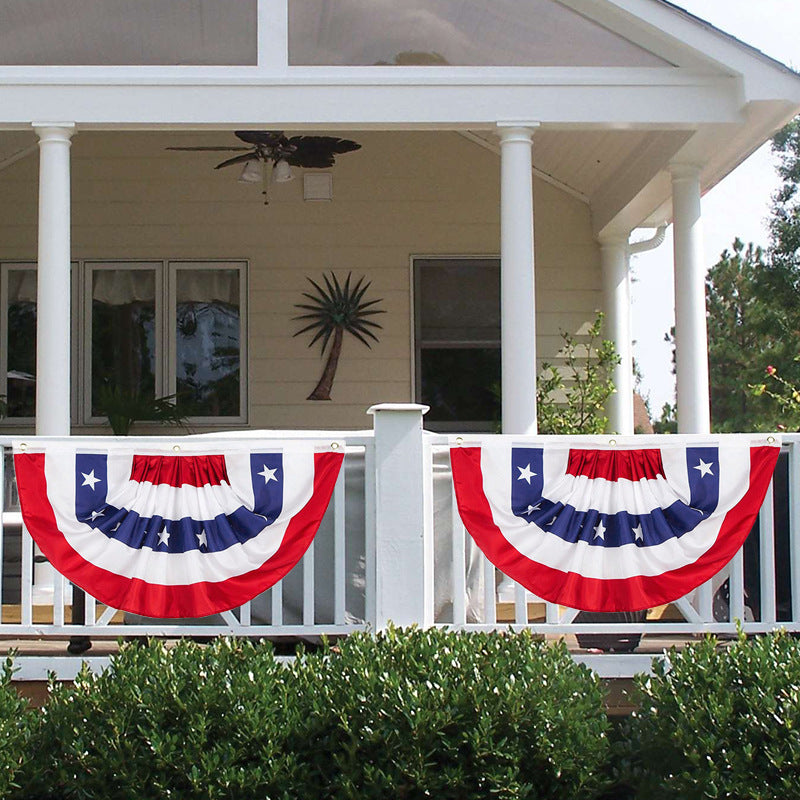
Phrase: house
pixel 483 129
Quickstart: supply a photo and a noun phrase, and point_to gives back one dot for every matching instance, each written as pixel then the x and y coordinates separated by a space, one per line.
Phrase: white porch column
pixel 691 338
pixel 617 307
pixel 517 296
pixel 403 517
pixel 53 281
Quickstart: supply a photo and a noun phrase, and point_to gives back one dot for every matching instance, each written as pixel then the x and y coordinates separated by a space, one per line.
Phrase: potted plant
pixel 124 407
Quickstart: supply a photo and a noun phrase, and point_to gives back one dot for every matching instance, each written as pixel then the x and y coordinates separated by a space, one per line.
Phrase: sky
pixel 737 206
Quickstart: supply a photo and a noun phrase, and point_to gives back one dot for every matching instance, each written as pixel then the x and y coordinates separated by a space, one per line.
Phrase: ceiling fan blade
pixel 318 151
pixel 238 160
pixel 332 143
pixel 208 148
pixel 264 138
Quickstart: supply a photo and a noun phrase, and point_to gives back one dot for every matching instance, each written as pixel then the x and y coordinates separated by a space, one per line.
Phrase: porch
pixel 463 155
pixel 392 548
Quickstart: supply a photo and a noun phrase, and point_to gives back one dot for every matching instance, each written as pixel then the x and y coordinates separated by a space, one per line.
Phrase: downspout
pixel 649 244
pixel 635 248
pixel 615 255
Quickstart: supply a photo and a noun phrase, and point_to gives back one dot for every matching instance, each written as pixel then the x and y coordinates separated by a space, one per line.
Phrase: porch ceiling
pixel 620 174
pixel 589 164
pixel 15 145
pixel 602 168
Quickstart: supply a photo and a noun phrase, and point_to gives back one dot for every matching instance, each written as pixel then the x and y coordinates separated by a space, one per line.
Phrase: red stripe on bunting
pixel 180 471
pixel 595 594
pixel 613 465
pixel 157 600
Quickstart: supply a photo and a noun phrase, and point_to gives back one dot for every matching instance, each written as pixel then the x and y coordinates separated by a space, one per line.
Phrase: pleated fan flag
pixel 172 530
pixel 612 527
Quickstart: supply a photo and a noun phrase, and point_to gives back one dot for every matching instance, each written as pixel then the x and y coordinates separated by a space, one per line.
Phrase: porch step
pixel 43 615
pixel 506 612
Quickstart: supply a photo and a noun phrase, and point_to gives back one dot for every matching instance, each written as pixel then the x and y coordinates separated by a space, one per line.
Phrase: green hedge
pixel 442 715
pixel 406 714
pixel 187 722
pixel 719 723
pixel 16 721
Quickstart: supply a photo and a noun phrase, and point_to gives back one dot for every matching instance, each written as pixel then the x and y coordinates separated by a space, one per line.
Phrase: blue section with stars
pixel 613 530
pixel 178 535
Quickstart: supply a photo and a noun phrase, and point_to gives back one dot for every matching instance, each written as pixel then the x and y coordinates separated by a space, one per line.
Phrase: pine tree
pixel 753 308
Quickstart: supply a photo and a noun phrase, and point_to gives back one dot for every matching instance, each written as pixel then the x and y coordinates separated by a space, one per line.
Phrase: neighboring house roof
pixel 641 417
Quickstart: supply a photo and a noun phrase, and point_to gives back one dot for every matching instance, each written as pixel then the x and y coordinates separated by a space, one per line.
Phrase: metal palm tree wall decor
pixel 338 308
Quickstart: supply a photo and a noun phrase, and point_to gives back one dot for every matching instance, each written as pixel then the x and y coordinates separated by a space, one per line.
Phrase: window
pixel 151 327
pixel 457 337
pixel 122 324
pixel 18 325
pixel 208 343
pixel 168 328
pixel 117 32
pixel 444 33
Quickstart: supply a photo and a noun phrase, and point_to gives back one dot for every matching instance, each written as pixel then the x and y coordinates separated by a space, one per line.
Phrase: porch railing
pixel 392 547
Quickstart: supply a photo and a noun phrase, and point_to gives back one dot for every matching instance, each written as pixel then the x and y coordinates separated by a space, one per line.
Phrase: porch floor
pixel 55 645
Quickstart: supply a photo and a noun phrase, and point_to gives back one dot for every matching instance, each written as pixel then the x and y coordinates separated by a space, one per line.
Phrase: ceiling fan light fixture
pixel 282 172
pixel 252 173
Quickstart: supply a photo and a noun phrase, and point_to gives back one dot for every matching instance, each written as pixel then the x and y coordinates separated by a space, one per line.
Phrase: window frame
pixel 171 372
pixel 419 343
pixel 85 329
pixel 5 268
pixel 31 266
pixel 166 346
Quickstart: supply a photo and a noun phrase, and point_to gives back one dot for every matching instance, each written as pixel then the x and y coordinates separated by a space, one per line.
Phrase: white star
pixel 163 537
pixel 705 469
pixel 116 527
pixel 525 474
pixel 90 479
pixel 599 531
pixel 96 514
pixel 268 474
pixel 531 509
pixel 202 539
pixel 551 521
pixel 637 533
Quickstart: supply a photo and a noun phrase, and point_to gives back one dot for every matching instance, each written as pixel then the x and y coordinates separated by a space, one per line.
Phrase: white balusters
pixel 766 521
pixel 26 615
pixel 339 551
pixel 308 586
pixel 459 567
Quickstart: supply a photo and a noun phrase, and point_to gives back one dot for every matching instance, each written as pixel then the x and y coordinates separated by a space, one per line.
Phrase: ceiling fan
pixel 267 148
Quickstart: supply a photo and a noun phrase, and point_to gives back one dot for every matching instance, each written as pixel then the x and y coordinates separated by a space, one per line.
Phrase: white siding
pixel 402 194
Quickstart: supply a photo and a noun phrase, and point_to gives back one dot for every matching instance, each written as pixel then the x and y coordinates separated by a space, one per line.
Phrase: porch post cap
pixel 67 125
pixel 684 169
pixel 399 407
pixel 516 131
pixel 518 123
pixel 54 131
